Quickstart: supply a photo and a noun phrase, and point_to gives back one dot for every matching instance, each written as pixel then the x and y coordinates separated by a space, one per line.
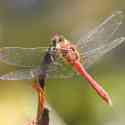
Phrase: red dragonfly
pixel 70 59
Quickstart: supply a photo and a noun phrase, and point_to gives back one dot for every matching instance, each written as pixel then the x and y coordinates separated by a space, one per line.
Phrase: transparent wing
pixel 24 74
pixel 23 57
pixel 95 54
pixel 99 39
pixel 58 70
pixel 31 58
pixel 61 70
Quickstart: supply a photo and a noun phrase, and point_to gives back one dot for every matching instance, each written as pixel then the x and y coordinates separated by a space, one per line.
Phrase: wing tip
pixel 121 40
pixel 119 14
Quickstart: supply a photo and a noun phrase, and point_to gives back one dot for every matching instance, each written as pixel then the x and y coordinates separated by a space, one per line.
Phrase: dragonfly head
pixel 56 39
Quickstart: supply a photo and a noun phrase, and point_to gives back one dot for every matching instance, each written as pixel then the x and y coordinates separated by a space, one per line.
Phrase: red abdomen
pixel 100 91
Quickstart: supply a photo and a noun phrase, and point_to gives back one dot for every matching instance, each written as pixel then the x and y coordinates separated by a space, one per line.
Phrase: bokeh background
pixel 30 23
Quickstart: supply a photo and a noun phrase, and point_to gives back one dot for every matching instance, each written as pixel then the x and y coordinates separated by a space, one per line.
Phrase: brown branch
pixel 42 117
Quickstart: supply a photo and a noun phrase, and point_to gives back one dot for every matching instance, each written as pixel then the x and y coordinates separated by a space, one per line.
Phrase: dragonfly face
pixel 56 39
pixel 65 48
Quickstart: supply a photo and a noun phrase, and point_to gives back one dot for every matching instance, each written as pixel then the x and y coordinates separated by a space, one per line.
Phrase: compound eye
pixel 60 39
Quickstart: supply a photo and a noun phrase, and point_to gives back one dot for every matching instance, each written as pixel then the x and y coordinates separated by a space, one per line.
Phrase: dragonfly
pixel 66 59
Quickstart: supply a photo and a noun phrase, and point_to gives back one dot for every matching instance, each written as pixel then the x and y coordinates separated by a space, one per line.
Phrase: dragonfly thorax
pixel 68 51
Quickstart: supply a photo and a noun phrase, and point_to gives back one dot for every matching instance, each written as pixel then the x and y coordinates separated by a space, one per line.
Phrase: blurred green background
pixel 30 23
